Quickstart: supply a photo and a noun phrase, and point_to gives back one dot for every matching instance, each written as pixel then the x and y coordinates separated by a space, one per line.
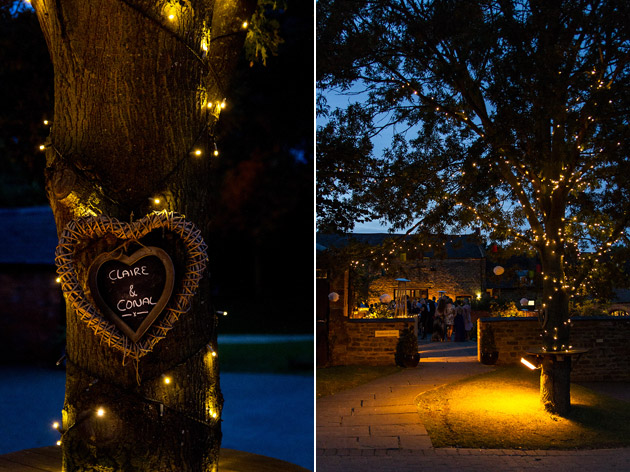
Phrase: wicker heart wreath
pixel 94 227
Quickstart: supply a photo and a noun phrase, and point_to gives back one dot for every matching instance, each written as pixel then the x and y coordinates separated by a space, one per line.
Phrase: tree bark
pixel 137 88
pixel 555 382
pixel 555 377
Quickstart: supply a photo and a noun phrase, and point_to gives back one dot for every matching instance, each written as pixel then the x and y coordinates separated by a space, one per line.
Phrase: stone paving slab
pixel 393 420
pixel 397 460
pixel 385 409
pixel 402 430
pixel 344 431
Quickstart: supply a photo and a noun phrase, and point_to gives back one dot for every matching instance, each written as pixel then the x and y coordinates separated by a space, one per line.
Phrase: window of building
pixel 412 293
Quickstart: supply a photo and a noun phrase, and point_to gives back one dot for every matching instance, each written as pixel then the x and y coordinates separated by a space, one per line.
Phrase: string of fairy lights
pixel 532 193
pixel 173 14
pixel 168 378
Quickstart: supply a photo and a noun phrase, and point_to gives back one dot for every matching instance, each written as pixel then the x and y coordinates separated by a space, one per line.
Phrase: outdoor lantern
pixel 531 365
pixel 385 298
pixel 498 270
pixel 333 296
pixel 524 301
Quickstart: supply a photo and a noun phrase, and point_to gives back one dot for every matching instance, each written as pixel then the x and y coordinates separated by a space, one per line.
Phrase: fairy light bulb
pixel 100 412
pixel 55 425
pixel 167 380
pixel 244 25
pixel 156 201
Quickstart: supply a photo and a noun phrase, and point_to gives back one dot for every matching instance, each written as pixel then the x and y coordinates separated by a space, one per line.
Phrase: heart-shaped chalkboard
pixel 132 290
pixel 138 339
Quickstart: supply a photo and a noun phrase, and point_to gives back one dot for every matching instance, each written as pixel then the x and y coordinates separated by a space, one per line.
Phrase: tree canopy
pixel 508 115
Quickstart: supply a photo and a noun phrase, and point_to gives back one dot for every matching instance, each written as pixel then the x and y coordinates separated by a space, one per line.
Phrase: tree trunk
pixel 137 91
pixel 555 375
pixel 555 382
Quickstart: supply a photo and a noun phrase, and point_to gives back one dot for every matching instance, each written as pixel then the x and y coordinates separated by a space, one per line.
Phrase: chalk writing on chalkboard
pixel 132 290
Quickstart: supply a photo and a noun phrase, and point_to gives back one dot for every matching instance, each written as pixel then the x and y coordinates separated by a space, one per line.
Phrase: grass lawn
pixel 502 410
pixel 331 380
pixel 292 357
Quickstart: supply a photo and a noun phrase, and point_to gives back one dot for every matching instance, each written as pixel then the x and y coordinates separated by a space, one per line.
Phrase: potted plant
pixel 489 352
pixel 407 354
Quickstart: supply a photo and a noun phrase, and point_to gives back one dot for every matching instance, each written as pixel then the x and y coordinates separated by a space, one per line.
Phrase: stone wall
pixel 369 342
pixel 606 338
pixel 456 277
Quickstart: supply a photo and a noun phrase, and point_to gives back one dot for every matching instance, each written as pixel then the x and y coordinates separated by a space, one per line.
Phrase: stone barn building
pixel 367 267
pixel 455 268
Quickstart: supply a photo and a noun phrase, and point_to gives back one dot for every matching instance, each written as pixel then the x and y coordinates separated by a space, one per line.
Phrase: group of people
pixel 442 320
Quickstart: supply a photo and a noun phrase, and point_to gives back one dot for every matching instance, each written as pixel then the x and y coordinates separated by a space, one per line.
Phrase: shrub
pixel 407 347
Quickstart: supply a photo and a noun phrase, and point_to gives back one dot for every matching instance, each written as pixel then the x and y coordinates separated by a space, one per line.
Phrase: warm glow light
pixel 156 201
pixel 167 380
pixel 42 147
pixel 216 152
pixel 58 443
pixel 100 412
pixel 528 364
pixel 58 280
pixel 245 24
pixel 214 354
pixel 45 122
pixel 197 152
pixel 55 425
pixel 171 17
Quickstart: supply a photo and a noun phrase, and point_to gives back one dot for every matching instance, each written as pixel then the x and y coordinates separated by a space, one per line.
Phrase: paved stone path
pixel 376 427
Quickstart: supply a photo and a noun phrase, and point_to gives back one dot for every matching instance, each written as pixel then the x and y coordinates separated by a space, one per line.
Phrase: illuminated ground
pixel 501 409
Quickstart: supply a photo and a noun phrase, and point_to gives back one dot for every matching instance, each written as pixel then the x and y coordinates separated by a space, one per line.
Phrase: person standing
pixel 438 322
pixel 459 325
pixel 430 315
pixel 468 325
pixel 422 320
pixel 449 319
